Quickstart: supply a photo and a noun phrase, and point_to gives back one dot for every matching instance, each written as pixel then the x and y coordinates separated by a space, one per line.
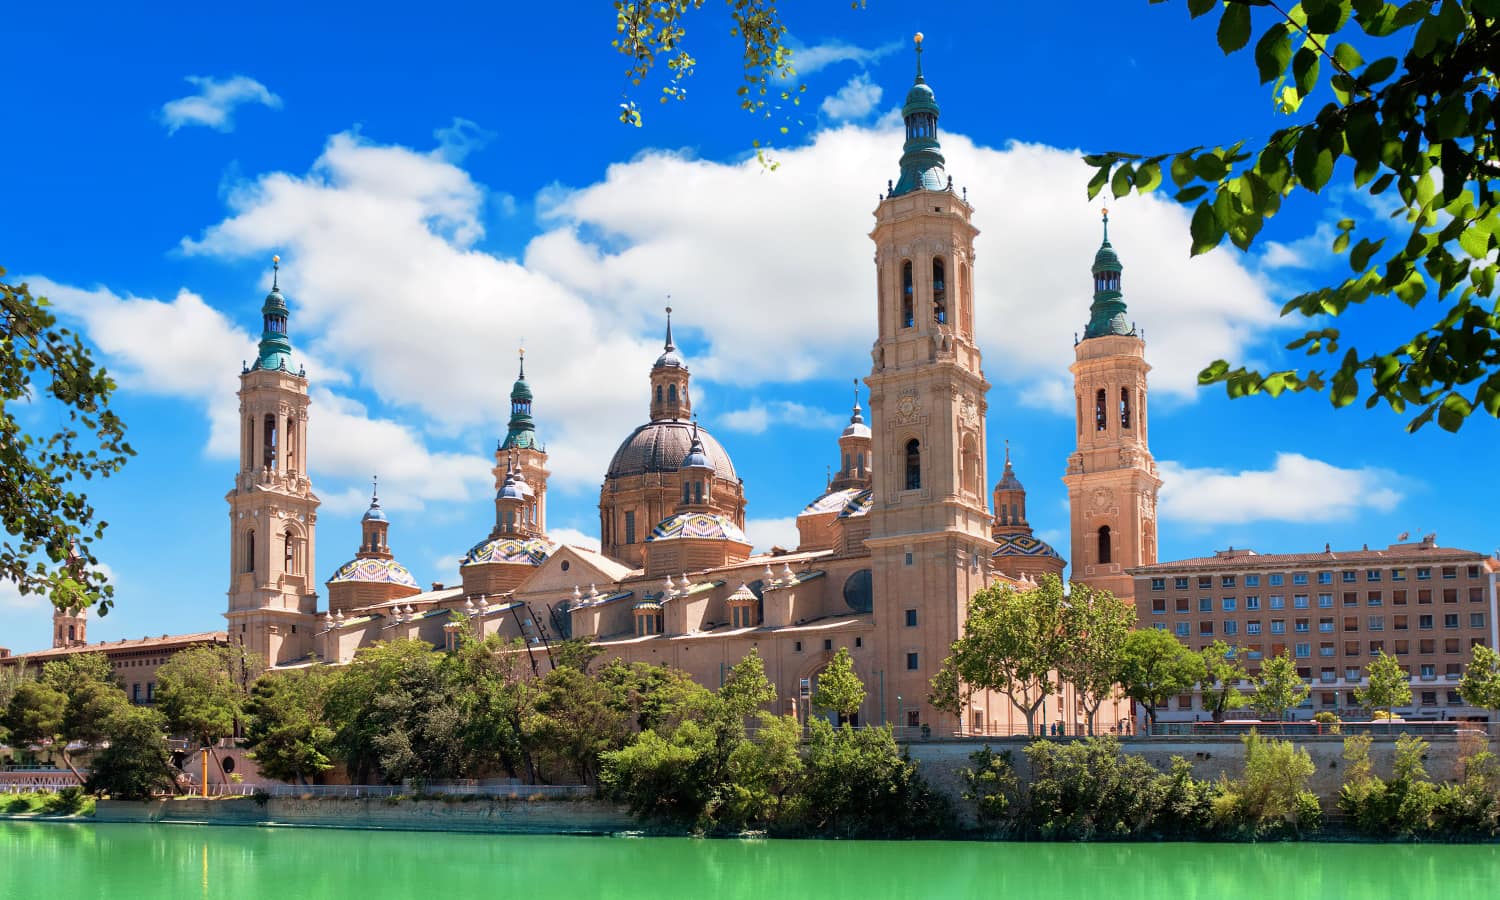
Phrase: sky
pixel 448 183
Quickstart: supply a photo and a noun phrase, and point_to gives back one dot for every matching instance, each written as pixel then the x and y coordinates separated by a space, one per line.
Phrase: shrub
pixel 1090 790
pixel 1270 798
pixel 65 802
pixel 1331 720
pixel 993 788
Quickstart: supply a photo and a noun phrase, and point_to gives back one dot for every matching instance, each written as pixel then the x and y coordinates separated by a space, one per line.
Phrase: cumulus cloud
pixel 807 60
pixel 574 537
pixel 767 533
pixel 758 416
pixel 1296 488
pixel 855 100
pixel 214 104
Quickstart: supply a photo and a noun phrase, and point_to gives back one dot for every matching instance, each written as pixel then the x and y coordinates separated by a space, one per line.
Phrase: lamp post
pixel 900 712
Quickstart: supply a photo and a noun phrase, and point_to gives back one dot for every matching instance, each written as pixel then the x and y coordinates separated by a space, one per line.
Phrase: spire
pixel 375 513
pixel 275 345
pixel 1008 479
pixel 669 355
pixel 922 159
pixel 1107 313
pixel 669 345
pixel 520 432
pixel 857 426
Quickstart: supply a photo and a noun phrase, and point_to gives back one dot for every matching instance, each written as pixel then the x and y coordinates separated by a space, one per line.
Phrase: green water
pixel 124 862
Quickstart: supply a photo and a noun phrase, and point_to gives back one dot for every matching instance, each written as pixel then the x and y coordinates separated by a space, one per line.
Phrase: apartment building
pixel 1334 611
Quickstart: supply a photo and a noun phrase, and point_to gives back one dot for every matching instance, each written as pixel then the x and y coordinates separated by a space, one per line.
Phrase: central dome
pixel 661 447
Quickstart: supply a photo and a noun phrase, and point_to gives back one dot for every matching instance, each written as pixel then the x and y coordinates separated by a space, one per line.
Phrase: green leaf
pixel 1273 51
pixel 1234 28
pixel 1475 241
pixel 1197 8
pixel 1359 257
pixel 1210 167
pixel 1378 71
pixel 1188 195
pixel 1453 411
pixel 1120 184
pixel 1325 16
pixel 1347 57
pixel 1147 177
pixel 1206 229
pixel 1305 70
pixel 1097 182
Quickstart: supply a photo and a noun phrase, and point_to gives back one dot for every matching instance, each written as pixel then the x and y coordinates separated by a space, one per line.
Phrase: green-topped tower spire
pixel 520 434
pixel 275 344
pixel 1107 313
pixel 922 157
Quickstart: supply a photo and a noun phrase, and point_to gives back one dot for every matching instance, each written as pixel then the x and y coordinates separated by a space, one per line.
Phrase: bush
pixel 65 802
pixel 993 788
pixel 1270 798
pixel 1331 720
pixel 857 783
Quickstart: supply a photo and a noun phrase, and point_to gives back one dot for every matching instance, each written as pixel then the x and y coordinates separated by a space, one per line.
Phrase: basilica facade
pixel 890 550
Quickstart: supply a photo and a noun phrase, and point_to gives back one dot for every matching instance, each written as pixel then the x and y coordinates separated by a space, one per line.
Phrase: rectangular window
pixel 1159 606
pixel 912 662
pixel 1231 627
pixel 913 718
pixel 1473 571
pixel 1351 598
pixel 1183 629
pixel 1158 584
pixel 1372 598
pixel 1351 673
pixel 1429 698
pixel 1159 626
pixel 1398 598
pixel 1450 571
pixel 1277 579
pixel 1427 646
pixel 1424 623
pixel 1450 620
pixel 1429 670
pixel 1299 578
pixel 908 559
pixel 1351 648
pixel 827 643
pixel 1398 623
pixel 911 618
pixel 1476 595
pixel 1402 648
pixel 1252 627
pixel 1325 626
pixel 1376 623
pixel 1450 595
pixel 1252 581
pixel 1299 601
pixel 1303 651
pixel 1206 627
pixel 1278 626
pixel 1278 601
pixel 1325 578
pixel 1329 698
pixel 796 646
pixel 1325 649
pixel 1180 582
pixel 1476 620
pixel 1227 604
pixel 1301 626
pixel 1205 604
pixel 1372 575
pixel 1325 601
pixel 1226 581
pixel 1424 597
pixel 1252 601
pixel 1182 604
pixel 1377 648
pixel 1205 582
pixel 1423 573
pixel 1398 574
pixel 1348 577
pixel 630 526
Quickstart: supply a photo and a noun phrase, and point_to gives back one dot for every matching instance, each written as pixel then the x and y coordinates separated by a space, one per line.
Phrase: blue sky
pixel 446 184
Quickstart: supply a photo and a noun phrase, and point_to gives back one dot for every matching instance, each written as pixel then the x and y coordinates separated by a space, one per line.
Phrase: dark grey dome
pixel 661 447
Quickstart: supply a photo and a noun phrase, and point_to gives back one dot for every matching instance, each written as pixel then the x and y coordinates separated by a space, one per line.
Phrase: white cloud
pixel 214 104
pixel 1309 251
pixel 767 533
pixel 758 416
pixel 855 100
pixel 807 60
pixel 11 598
pixel 462 137
pixel 1296 488
pixel 574 537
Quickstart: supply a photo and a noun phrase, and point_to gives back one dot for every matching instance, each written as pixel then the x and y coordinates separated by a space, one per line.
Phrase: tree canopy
pixel 1278 687
pixel 1155 666
pixel 49 525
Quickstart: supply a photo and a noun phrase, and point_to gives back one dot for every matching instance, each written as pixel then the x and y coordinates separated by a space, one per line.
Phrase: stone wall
pixel 477 815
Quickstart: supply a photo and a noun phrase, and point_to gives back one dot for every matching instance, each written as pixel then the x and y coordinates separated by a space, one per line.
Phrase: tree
pixel 1272 791
pixel 1096 623
pixel 1389 687
pixel 287 735
pixel 394 712
pixel 1278 688
pixel 1155 666
pixel 493 701
pixel 1221 677
pixel 49 526
pixel 1480 685
pixel 1419 118
pixel 202 691
pixel 572 722
pixel 656 697
pixel 857 783
pixel 839 689
pixel 34 717
pixel 135 764
pixel 73 702
pixel 10 679
pixel 1013 643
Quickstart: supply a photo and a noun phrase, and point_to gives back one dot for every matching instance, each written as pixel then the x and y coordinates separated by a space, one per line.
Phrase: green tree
pixel 135 764
pixel 493 701
pixel 1278 688
pixel 1480 685
pixel 572 722
pixel 1096 623
pixel 287 735
pixel 1155 666
pixel 1013 643
pixel 1416 124
pixel 49 527
pixel 858 784
pixel 839 689
pixel 203 690
pixel 1221 678
pixel 1272 793
pixel 575 652
pixel 34 717
pixel 394 713
pixel 655 697
pixel 1389 686
pixel 10 679
pixel 90 700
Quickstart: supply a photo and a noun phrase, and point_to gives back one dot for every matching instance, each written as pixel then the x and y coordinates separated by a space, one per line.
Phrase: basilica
pixel 890 549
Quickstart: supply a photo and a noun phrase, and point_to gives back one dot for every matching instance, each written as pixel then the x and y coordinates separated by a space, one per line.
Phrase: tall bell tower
pixel 929 525
pixel 1112 479
pixel 273 512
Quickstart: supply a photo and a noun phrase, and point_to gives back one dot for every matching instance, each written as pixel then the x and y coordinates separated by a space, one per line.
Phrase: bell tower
pixel 273 512
pixel 929 524
pixel 1112 479
pixel 520 451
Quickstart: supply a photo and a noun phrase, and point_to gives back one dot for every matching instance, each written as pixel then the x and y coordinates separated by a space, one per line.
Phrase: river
pixel 125 862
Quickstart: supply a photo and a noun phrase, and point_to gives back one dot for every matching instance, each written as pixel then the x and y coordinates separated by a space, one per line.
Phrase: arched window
pixel 907 318
pixel 913 465
pixel 290 558
pixel 291 445
pixel 658 393
pixel 1125 408
pixel 1016 514
pixel 861 465
pixel 250 550
pixel 846 463
pixel 1104 555
pixel 72 633
pixel 939 292
pixel 965 302
pixel 1101 410
pixel 969 467
pixel 672 393
pixel 1004 515
pixel 268 444
pixel 686 493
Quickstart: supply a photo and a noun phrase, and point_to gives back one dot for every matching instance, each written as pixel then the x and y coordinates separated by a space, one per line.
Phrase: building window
pixel 913 465
pixel 912 662
pixel 630 526
pixel 1226 581
pixel 1325 578
pixel 1325 626
pixel 1450 620
pixel 1325 601
pixel 1180 583
pixel 1303 651
pixel 1158 584
pixel 1278 601
pixel 1231 627
pixel 250 550
pixel 1252 627
pixel 939 293
pixel 1277 579
pixel 911 618
pixel 1252 601
pixel 1228 604
pixel 907 319
pixel 908 559
pixel 1398 574
pixel 1424 573
pixel 1372 575
pixel 1125 408
pixel 1182 629
pixel 1278 626
pixel 1376 623
pixel 796 646
pixel 1182 604
pixel 1424 596
pixel 1205 604
pixel 1299 601
pixel 1101 410
pixel 1476 620
pixel 1299 578
pixel 1104 555
pixel 1424 623
pixel 859 642
pixel 1373 599
pixel 1252 581
pixel 1301 626
pixel 827 643
pixel 1450 571
pixel 1206 627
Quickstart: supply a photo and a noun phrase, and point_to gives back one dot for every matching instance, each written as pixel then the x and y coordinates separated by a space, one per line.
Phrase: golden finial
pixel 276 259
pixel 917 37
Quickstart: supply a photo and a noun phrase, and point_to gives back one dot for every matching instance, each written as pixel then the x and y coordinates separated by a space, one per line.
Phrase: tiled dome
pixel 1024 545
pixel 858 505
pixel 833 501
pixel 508 550
pixel 662 446
pixel 376 571
pixel 711 526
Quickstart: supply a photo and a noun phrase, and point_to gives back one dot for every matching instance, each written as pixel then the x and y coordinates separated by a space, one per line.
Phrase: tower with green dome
pixel 521 453
pixel 922 156
pixel 1107 313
